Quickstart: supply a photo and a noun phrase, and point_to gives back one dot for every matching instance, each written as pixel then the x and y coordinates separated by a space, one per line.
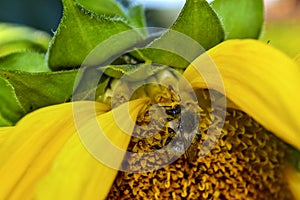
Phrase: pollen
pixel 245 162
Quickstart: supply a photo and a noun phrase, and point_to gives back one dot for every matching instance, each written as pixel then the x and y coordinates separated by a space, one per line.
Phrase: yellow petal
pixel 297 59
pixel 34 143
pixel 293 179
pixel 259 79
pixel 4 133
pixel 75 173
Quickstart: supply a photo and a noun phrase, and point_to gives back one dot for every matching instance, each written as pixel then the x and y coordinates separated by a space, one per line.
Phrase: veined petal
pixel 293 179
pixel 35 141
pixel 75 173
pixel 260 80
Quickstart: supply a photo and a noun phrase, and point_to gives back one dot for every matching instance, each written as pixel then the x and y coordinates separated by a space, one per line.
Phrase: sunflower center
pixel 245 162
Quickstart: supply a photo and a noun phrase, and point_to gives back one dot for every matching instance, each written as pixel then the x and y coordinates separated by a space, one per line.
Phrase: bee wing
pixel 190 133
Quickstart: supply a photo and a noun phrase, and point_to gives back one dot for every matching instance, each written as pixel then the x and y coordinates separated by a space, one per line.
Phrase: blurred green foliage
pixel 283 35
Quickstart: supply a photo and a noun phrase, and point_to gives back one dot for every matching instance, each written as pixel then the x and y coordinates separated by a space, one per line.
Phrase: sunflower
pixel 43 157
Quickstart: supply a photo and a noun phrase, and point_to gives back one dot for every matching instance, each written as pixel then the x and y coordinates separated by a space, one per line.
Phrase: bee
pixel 181 125
pixel 188 129
pixel 173 111
pixel 184 122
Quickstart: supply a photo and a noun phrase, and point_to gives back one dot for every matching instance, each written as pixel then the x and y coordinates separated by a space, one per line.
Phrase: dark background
pixel 46 14
pixel 41 14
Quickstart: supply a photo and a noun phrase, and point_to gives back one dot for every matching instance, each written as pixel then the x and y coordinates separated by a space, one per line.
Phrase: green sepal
pixel 24 61
pixel 90 83
pixel 80 31
pixel 132 14
pixel 136 17
pixel 241 19
pixel 197 29
pixel 294 157
pixel 117 71
pixel 103 7
pixel 10 108
pixel 24 92
pixel 131 73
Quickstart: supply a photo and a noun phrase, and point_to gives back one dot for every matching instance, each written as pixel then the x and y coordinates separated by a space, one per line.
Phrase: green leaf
pixel 14 38
pixel 80 31
pixel 35 90
pixel 10 108
pixel 241 19
pixel 24 61
pixel 196 29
